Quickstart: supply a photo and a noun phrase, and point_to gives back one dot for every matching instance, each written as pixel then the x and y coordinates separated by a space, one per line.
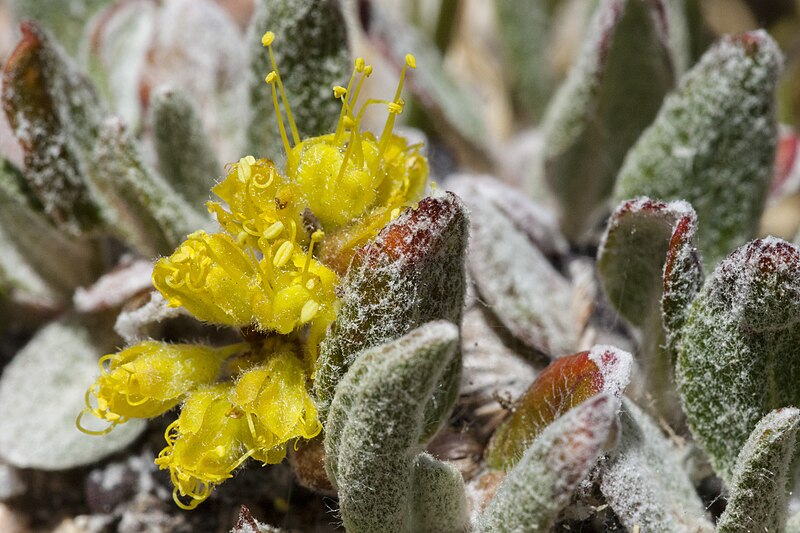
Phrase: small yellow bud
pixel 267 39
pixel 271 77
pixel 368 70
pixel 360 64
pixel 396 107
pixel 411 61
pixel 339 91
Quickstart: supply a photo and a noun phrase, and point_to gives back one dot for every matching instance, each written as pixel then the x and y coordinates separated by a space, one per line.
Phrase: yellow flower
pixel 149 379
pixel 204 445
pixel 272 272
pixel 278 407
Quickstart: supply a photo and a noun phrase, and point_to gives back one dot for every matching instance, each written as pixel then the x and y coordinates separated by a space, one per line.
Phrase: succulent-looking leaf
pixel 411 273
pixel 644 481
pixel 440 503
pixel 307 71
pixel 535 220
pixel 713 143
pixel 591 123
pixel 564 384
pixel 145 209
pixel 373 432
pixel 639 246
pixel 761 477
pixel 682 279
pixel 40 392
pixel 516 281
pixel 54 112
pixel 543 482
pixel 737 351
pixel 186 156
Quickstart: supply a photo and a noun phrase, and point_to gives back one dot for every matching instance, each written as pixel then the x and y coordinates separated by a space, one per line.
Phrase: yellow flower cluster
pixel 272 271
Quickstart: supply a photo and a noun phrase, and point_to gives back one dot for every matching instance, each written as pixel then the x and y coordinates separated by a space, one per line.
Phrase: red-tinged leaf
pixel 54 113
pixel 413 272
pixel 564 384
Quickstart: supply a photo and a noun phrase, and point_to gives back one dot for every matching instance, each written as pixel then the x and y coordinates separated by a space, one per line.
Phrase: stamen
pixel 316 237
pixel 411 62
pixel 267 41
pixel 344 111
pixel 271 78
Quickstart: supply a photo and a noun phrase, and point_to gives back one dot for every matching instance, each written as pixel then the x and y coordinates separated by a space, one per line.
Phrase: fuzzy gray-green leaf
pixel 737 350
pixel 637 244
pixel 374 428
pixel 544 480
pixel 644 481
pixel 142 207
pixel 529 297
pixel 761 477
pixel 186 156
pixel 601 109
pixel 411 273
pixel 713 143
pixel 41 392
pixel 54 112
pixel 311 54
pixel 61 261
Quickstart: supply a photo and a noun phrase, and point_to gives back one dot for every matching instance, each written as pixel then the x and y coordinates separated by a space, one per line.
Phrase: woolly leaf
pixel 373 429
pixel 737 351
pixel 146 210
pixel 439 502
pixel 591 123
pixel 54 112
pixel 543 482
pixel 62 264
pixel 40 392
pixel 761 477
pixel 186 156
pixel 645 483
pixel 641 235
pixel 518 284
pixel 66 19
pixel 713 143
pixel 411 273
pixel 564 384
pixel 307 71
pixel 531 218
pixel 682 278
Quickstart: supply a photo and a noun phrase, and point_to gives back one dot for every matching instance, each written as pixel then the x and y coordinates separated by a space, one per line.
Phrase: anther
pixel 339 91
pixel 283 254
pixel 267 39
pixel 273 230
